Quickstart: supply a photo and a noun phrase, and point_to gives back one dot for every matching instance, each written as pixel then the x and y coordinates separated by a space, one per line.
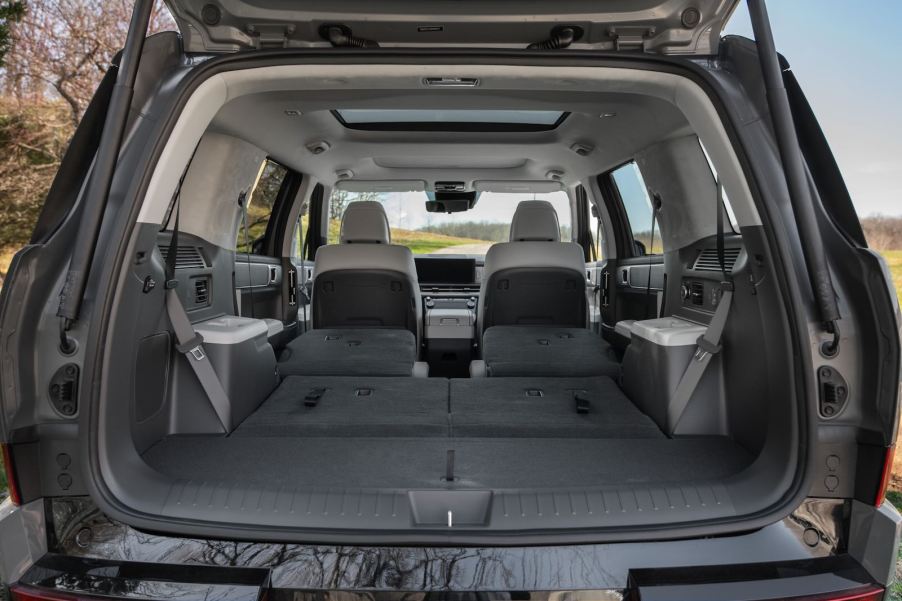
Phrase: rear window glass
pixel 469 232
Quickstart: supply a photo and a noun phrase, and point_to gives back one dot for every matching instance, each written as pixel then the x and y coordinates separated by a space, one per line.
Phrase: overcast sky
pixel 848 58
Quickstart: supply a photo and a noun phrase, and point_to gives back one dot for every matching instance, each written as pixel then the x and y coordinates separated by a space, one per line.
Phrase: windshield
pixel 469 232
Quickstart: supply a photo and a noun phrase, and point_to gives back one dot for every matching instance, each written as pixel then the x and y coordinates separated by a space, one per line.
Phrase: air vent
pixel 201 291
pixel 439 288
pixel 187 257
pixel 707 259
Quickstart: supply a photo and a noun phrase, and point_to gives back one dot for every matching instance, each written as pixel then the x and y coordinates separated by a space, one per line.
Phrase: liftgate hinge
pixel 631 38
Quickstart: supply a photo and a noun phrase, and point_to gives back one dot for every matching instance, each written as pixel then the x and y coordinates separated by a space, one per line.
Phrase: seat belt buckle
pixel 313 397
pixel 705 348
pixel 193 347
pixel 582 403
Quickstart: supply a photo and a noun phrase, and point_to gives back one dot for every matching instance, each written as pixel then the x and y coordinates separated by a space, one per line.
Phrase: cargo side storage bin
pixel 658 354
pixel 239 350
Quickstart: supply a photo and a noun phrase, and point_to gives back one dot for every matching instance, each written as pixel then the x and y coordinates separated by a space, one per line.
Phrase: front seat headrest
pixel 365 222
pixel 535 221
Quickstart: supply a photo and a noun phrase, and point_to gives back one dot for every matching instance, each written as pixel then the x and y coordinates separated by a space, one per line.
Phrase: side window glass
pixel 596 231
pixel 637 204
pixel 300 232
pixel 262 198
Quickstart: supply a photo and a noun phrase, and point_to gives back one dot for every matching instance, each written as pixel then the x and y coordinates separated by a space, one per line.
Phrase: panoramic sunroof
pixel 449 120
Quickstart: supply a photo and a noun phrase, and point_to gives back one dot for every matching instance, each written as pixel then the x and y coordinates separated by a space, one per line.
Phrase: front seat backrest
pixel 364 280
pixel 535 279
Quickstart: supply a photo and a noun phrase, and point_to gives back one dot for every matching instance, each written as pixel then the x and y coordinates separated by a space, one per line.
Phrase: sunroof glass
pixel 365 116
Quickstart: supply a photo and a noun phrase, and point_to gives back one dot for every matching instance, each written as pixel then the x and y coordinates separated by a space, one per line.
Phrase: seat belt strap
pixel 708 344
pixel 189 342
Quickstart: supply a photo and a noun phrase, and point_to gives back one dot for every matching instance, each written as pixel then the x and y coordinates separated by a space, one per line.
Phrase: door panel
pixel 258 284
pixel 639 287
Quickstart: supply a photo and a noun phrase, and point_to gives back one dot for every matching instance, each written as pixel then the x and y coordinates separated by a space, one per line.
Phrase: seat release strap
pixel 313 397
pixel 583 405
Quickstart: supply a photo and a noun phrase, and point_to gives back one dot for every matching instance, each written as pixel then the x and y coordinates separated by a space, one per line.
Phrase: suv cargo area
pixel 525 383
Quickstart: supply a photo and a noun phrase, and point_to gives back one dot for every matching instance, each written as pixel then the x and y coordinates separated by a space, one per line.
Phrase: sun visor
pixel 517 187
pixel 395 185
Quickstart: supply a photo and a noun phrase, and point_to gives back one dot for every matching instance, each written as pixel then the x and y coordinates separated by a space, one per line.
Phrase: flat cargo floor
pixel 420 463
pixel 396 433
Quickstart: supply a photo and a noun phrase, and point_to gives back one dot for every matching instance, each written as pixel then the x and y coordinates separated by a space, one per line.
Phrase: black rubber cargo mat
pixel 307 406
pixel 546 407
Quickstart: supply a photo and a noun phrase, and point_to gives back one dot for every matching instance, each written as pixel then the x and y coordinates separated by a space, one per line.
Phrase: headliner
pixel 270 120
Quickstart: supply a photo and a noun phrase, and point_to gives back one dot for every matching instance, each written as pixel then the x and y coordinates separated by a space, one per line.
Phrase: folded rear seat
pixel 546 408
pixel 509 351
pixel 352 352
pixel 322 406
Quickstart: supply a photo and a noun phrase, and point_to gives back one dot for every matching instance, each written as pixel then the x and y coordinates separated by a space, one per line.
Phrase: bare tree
pixel 883 232
pixel 340 200
pixel 64 48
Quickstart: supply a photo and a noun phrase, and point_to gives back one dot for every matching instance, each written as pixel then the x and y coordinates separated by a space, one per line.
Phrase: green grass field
pixel 419 243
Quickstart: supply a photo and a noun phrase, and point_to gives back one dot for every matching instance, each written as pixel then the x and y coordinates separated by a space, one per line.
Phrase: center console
pixel 449 291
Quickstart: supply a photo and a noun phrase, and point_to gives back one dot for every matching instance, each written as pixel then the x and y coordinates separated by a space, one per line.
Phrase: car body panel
pixel 665 26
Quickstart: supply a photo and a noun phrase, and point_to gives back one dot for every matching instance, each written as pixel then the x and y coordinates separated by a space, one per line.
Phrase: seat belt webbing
pixel 708 344
pixel 188 341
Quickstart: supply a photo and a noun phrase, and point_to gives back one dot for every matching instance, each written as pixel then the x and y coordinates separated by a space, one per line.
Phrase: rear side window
pixel 253 223
pixel 637 204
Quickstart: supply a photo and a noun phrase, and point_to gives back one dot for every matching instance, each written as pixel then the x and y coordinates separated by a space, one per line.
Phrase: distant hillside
pixel 480 230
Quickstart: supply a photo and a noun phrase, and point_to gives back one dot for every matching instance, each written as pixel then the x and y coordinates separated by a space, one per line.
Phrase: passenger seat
pixel 533 308
pixel 365 307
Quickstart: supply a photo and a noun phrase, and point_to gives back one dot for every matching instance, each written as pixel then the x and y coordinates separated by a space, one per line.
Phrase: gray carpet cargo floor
pixel 416 463
pixel 389 433
pixel 546 407
pixel 511 351
pixel 350 352
pixel 352 406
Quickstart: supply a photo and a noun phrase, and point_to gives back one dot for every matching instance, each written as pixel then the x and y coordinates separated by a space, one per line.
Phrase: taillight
pixel 869 593
pixel 885 475
pixel 14 495
pixel 22 592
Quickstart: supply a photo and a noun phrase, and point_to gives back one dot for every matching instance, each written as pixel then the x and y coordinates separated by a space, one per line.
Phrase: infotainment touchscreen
pixel 432 270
